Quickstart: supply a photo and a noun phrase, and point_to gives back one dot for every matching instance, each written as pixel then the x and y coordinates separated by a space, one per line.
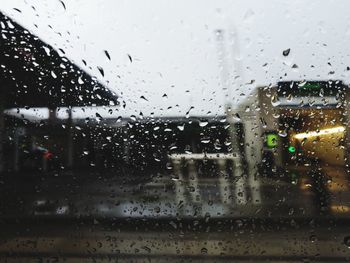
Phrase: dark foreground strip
pixel 170 257
pixel 8 225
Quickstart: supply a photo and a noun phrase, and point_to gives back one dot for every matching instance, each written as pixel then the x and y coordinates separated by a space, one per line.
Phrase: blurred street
pixel 185 193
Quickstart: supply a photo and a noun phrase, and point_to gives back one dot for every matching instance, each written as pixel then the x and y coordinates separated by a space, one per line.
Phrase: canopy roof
pixel 33 74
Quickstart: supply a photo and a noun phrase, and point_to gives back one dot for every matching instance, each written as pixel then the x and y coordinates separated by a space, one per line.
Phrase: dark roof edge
pixel 109 93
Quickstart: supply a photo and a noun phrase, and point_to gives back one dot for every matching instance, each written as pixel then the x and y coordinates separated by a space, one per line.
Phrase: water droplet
pixel 223 119
pixel 275 100
pixel 173 148
pixel 205 140
pixel 204 251
pixel 107 54
pixel 203 123
pixel 143 98
pixel 181 127
pixel 130 58
pixel 217 145
pixel 102 72
pixel 291 211
pixel 282 133
pixel 47 50
pixel 313 238
pixel 80 80
pixel 227 142
pixel 286 52
pixel 64 6
pixel 53 74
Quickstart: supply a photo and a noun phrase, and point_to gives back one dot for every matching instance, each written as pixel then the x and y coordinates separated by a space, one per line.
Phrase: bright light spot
pixel 320 132
pixel 340 208
pixel 291 149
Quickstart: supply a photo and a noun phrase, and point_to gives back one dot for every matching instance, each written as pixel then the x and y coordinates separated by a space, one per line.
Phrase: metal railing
pixel 231 181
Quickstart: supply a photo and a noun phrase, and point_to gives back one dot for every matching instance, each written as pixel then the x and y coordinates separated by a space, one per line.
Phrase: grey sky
pixel 175 52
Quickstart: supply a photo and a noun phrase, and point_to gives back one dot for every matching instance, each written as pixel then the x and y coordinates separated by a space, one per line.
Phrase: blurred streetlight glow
pixel 304 135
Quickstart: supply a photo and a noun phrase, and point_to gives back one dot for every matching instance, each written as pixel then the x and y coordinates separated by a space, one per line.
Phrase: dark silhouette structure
pixel 34 74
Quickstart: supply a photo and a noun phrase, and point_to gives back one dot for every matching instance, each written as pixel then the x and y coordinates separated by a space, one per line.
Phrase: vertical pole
pixel 70 142
pixel 16 151
pixel 194 181
pixel 223 67
pixel 253 152
pixel 51 121
pixel 91 147
pixel 180 193
pixel 267 113
pixel 126 146
pixel 52 115
pixel 240 183
pixel 224 182
pixel 346 123
pixel 2 131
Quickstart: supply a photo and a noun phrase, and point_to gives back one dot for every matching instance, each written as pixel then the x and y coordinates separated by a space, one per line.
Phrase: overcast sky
pixel 176 56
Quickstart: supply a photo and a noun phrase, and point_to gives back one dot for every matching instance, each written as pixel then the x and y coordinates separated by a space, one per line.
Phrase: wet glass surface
pixel 181 132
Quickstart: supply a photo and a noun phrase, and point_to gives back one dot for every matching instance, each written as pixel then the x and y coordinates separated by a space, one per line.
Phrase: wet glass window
pixel 180 131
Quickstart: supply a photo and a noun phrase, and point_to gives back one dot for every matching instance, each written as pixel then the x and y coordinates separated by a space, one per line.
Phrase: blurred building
pixel 296 123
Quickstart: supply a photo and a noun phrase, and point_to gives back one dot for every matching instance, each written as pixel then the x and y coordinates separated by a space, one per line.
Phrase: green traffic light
pixel 291 149
pixel 271 140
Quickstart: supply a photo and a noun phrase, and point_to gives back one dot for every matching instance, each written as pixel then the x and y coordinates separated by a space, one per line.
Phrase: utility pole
pixel 226 84
pixel 70 141
pixel 220 40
